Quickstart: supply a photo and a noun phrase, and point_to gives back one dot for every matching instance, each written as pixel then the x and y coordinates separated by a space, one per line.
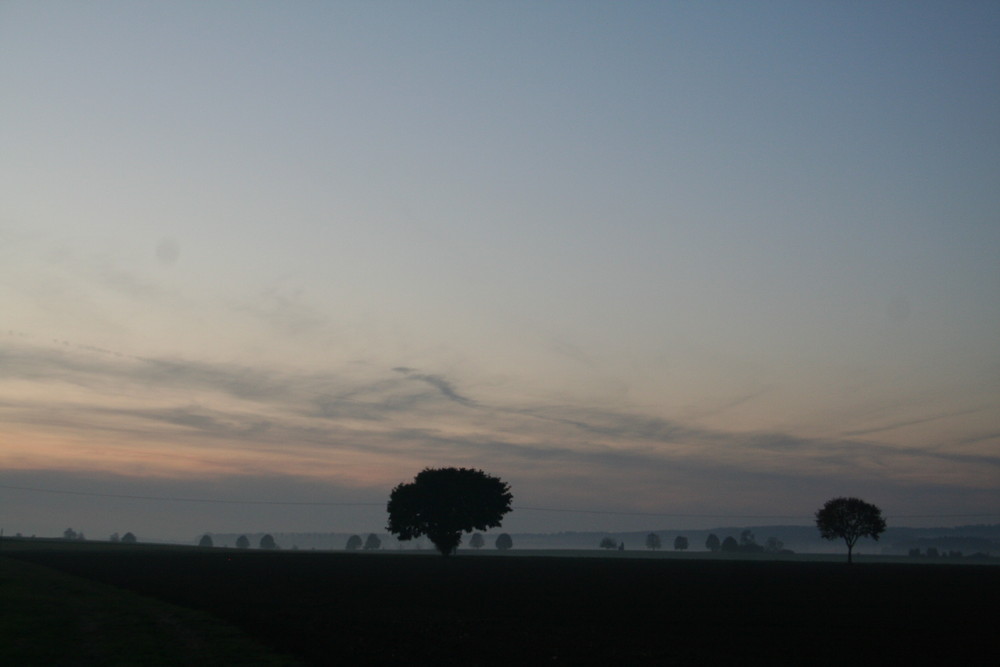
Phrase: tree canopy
pixel 442 503
pixel 653 541
pixel 504 542
pixel 850 519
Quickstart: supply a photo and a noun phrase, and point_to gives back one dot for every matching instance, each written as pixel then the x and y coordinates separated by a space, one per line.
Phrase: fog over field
pixel 651 263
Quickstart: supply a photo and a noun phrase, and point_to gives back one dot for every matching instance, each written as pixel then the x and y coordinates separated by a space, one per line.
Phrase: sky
pixel 654 264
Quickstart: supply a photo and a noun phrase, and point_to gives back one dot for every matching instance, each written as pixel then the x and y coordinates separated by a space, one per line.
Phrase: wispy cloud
pixel 407 417
pixel 437 382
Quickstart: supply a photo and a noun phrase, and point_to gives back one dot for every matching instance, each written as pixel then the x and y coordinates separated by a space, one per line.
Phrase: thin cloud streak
pixel 282 414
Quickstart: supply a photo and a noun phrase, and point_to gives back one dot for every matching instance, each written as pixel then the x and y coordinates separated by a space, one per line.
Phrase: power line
pixel 177 499
pixel 561 510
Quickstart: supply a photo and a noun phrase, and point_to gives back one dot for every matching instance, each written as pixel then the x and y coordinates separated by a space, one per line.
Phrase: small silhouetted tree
pixel 680 543
pixel 114 537
pixel 442 503
pixel 267 542
pixel 205 541
pixel 373 542
pixel 730 545
pixel 712 542
pixel 773 545
pixel 748 543
pixel 353 543
pixel 129 538
pixel 849 519
pixel 653 541
pixel 608 543
pixel 242 542
pixel 69 534
pixel 477 541
pixel 504 542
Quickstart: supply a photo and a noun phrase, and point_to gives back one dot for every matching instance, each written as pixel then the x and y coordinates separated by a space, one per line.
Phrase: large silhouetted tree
pixel 373 542
pixel 477 541
pixel 442 503
pixel 850 519
pixel 680 543
pixel 504 542
pixel 653 541
pixel 205 541
pixel 712 542
pixel 267 542
pixel 353 543
pixel 242 542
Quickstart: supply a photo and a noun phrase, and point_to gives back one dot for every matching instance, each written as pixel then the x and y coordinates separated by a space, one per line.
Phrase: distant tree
pixel 932 552
pixel 129 538
pixel 442 503
pixel 242 542
pixel 477 541
pixel 849 519
pixel 748 543
pixel 653 541
pixel 712 542
pixel 608 543
pixel 373 542
pixel 504 542
pixel 773 545
pixel 353 543
pixel 680 543
pixel 205 541
pixel 730 545
pixel 267 542
pixel 69 534
pixel 114 537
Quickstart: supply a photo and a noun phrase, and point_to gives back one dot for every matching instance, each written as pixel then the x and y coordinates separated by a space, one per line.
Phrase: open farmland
pixel 386 607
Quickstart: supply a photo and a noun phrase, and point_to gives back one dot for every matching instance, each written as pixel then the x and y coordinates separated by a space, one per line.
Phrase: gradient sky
pixel 719 259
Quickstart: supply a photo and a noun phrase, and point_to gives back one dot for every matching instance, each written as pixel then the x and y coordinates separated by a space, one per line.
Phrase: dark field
pixel 382 608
